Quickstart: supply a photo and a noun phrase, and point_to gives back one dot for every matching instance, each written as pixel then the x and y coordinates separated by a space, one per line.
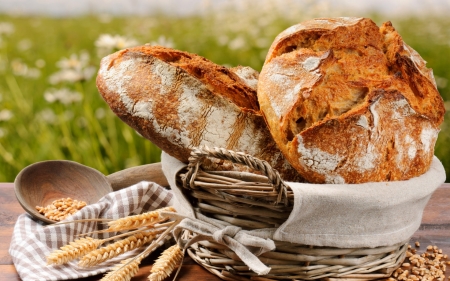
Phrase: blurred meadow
pixel 50 107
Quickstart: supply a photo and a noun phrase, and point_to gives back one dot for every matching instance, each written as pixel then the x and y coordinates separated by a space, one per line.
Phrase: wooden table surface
pixel 435 230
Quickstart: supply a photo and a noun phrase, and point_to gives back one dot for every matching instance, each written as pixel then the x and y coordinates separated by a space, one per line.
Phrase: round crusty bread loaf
pixel 180 100
pixel 349 102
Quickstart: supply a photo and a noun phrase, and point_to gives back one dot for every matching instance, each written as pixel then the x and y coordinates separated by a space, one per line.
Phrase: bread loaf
pixel 180 100
pixel 349 102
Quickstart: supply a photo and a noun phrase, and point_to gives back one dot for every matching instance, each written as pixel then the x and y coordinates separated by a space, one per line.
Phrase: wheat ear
pixel 129 267
pixel 166 263
pixel 137 221
pixel 125 270
pixel 74 250
pixel 112 250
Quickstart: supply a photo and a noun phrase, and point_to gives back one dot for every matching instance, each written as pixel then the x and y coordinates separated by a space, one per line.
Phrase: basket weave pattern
pixel 253 201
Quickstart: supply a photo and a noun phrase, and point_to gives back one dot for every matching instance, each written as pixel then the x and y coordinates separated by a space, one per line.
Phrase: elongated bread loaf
pixel 180 100
pixel 349 102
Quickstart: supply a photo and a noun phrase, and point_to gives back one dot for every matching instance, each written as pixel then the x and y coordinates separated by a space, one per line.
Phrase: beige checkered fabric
pixel 32 240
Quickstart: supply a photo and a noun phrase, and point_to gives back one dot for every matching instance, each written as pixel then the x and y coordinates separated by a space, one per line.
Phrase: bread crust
pixel 180 100
pixel 349 102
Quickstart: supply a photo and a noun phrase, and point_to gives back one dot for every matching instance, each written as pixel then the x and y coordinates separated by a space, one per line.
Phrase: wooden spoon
pixel 43 182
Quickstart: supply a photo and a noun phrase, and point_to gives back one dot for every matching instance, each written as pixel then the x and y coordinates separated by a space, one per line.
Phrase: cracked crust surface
pixel 350 102
pixel 180 100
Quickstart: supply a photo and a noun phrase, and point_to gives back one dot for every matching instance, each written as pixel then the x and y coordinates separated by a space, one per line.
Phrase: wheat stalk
pixel 112 250
pixel 74 250
pixel 166 263
pixel 140 220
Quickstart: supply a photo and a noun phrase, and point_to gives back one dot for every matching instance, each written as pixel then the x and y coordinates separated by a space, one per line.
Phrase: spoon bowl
pixel 41 183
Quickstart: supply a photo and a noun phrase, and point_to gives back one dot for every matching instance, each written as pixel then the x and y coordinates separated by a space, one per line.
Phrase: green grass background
pixel 106 143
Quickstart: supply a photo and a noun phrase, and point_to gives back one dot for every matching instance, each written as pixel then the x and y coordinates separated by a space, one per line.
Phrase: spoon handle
pixel 150 172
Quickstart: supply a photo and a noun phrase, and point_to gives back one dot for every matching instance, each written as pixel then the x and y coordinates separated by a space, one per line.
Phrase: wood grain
pixel 437 210
pixel 150 172
pixel 435 230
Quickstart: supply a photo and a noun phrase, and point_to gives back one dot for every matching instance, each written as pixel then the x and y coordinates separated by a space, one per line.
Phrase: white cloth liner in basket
pixel 342 215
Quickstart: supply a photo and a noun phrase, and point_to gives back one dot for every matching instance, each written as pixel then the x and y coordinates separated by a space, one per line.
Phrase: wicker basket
pixel 253 201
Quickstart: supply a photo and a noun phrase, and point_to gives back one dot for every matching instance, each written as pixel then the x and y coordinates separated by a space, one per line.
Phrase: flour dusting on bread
pixel 428 138
pixel 320 161
pixel 340 95
pixel 116 78
pixel 247 74
pixel 180 100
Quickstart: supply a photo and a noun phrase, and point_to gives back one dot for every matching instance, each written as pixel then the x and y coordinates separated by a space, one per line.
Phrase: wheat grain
pixel 112 250
pixel 74 250
pixel 166 263
pixel 430 265
pixel 60 209
pixel 137 221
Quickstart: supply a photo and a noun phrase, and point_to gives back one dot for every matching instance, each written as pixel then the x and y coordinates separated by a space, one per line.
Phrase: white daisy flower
pixel 63 95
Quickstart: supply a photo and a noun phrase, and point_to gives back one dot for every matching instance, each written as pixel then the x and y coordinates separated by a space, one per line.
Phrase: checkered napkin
pixel 32 241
